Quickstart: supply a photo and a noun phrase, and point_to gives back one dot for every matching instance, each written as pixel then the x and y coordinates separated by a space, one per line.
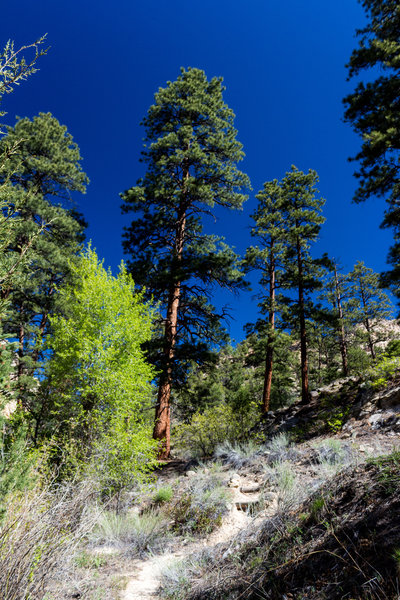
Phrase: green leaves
pixel 98 371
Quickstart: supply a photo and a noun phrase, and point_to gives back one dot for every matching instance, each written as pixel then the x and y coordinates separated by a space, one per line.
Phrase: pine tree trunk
pixel 305 394
pixel 367 321
pixel 270 342
pixel 342 333
pixel 21 341
pixel 370 343
pixel 162 424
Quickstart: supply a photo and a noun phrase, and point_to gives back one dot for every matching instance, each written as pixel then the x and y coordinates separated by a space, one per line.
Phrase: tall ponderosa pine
pixel 368 304
pixel 44 171
pixel 302 218
pixel 14 68
pixel 373 109
pixel 267 257
pixel 336 294
pixel 191 153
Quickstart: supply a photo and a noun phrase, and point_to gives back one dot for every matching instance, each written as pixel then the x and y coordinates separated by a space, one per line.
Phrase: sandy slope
pixel 144 585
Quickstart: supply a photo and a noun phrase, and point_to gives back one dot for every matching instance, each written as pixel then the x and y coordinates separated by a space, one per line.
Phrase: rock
pixel 234 481
pixel 190 473
pixel 248 504
pixel 388 398
pixel 250 489
pixel 270 497
pixel 375 420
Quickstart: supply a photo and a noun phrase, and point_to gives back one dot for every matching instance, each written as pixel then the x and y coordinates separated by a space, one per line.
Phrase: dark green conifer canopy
pixel 190 154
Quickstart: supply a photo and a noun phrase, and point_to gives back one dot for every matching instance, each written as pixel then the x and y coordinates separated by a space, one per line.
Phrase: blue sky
pixel 283 64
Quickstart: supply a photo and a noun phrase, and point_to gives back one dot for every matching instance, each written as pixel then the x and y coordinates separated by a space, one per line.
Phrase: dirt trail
pixel 144 585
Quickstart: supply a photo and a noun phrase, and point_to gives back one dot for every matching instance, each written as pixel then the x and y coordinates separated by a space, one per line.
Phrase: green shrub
pixel 163 494
pixel 393 349
pixel 207 430
pixel 384 371
pixel 316 507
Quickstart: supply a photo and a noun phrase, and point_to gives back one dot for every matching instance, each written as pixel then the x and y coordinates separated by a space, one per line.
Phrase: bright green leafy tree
pixel 191 154
pixel 373 109
pixel 99 382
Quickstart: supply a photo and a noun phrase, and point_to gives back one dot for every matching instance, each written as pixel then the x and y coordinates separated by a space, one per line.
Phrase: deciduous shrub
pixel 207 430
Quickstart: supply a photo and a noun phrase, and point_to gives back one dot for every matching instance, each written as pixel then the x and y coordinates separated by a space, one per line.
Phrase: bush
pixel 207 430
pixel 163 494
pixel 237 455
pixel 201 507
pixel 383 371
pixel 39 534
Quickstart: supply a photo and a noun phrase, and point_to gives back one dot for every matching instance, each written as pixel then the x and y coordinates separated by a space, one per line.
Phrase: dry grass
pixel 39 533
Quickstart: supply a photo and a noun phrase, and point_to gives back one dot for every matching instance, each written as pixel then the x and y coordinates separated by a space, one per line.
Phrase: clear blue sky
pixel 283 65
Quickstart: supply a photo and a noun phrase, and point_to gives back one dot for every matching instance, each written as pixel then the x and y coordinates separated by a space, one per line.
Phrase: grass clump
pixel 177 578
pixel 332 455
pixel 201 507
pixel 137 534
pixel 163 495
pixel 86 560
pixel 280 448
pixel 39 534
pixel 279 442
pixel 290 493
pixel 237 455
pixel 388 471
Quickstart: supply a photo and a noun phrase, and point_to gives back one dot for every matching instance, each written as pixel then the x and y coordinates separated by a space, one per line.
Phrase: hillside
pixel 311 515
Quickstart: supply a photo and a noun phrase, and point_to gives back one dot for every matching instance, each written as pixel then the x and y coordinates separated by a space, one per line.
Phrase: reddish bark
pixel 342 334
pixel 366 320
pixel 162 425
pixel 305 394
pixel 271 321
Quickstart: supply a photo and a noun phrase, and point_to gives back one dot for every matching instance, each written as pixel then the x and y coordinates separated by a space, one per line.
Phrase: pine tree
pixel 267 258
pixel 335 293
pixel 367 303
pixel 302 218
pixel 191 153
pixel 373 109
pixel 14 68
pixel 41 176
